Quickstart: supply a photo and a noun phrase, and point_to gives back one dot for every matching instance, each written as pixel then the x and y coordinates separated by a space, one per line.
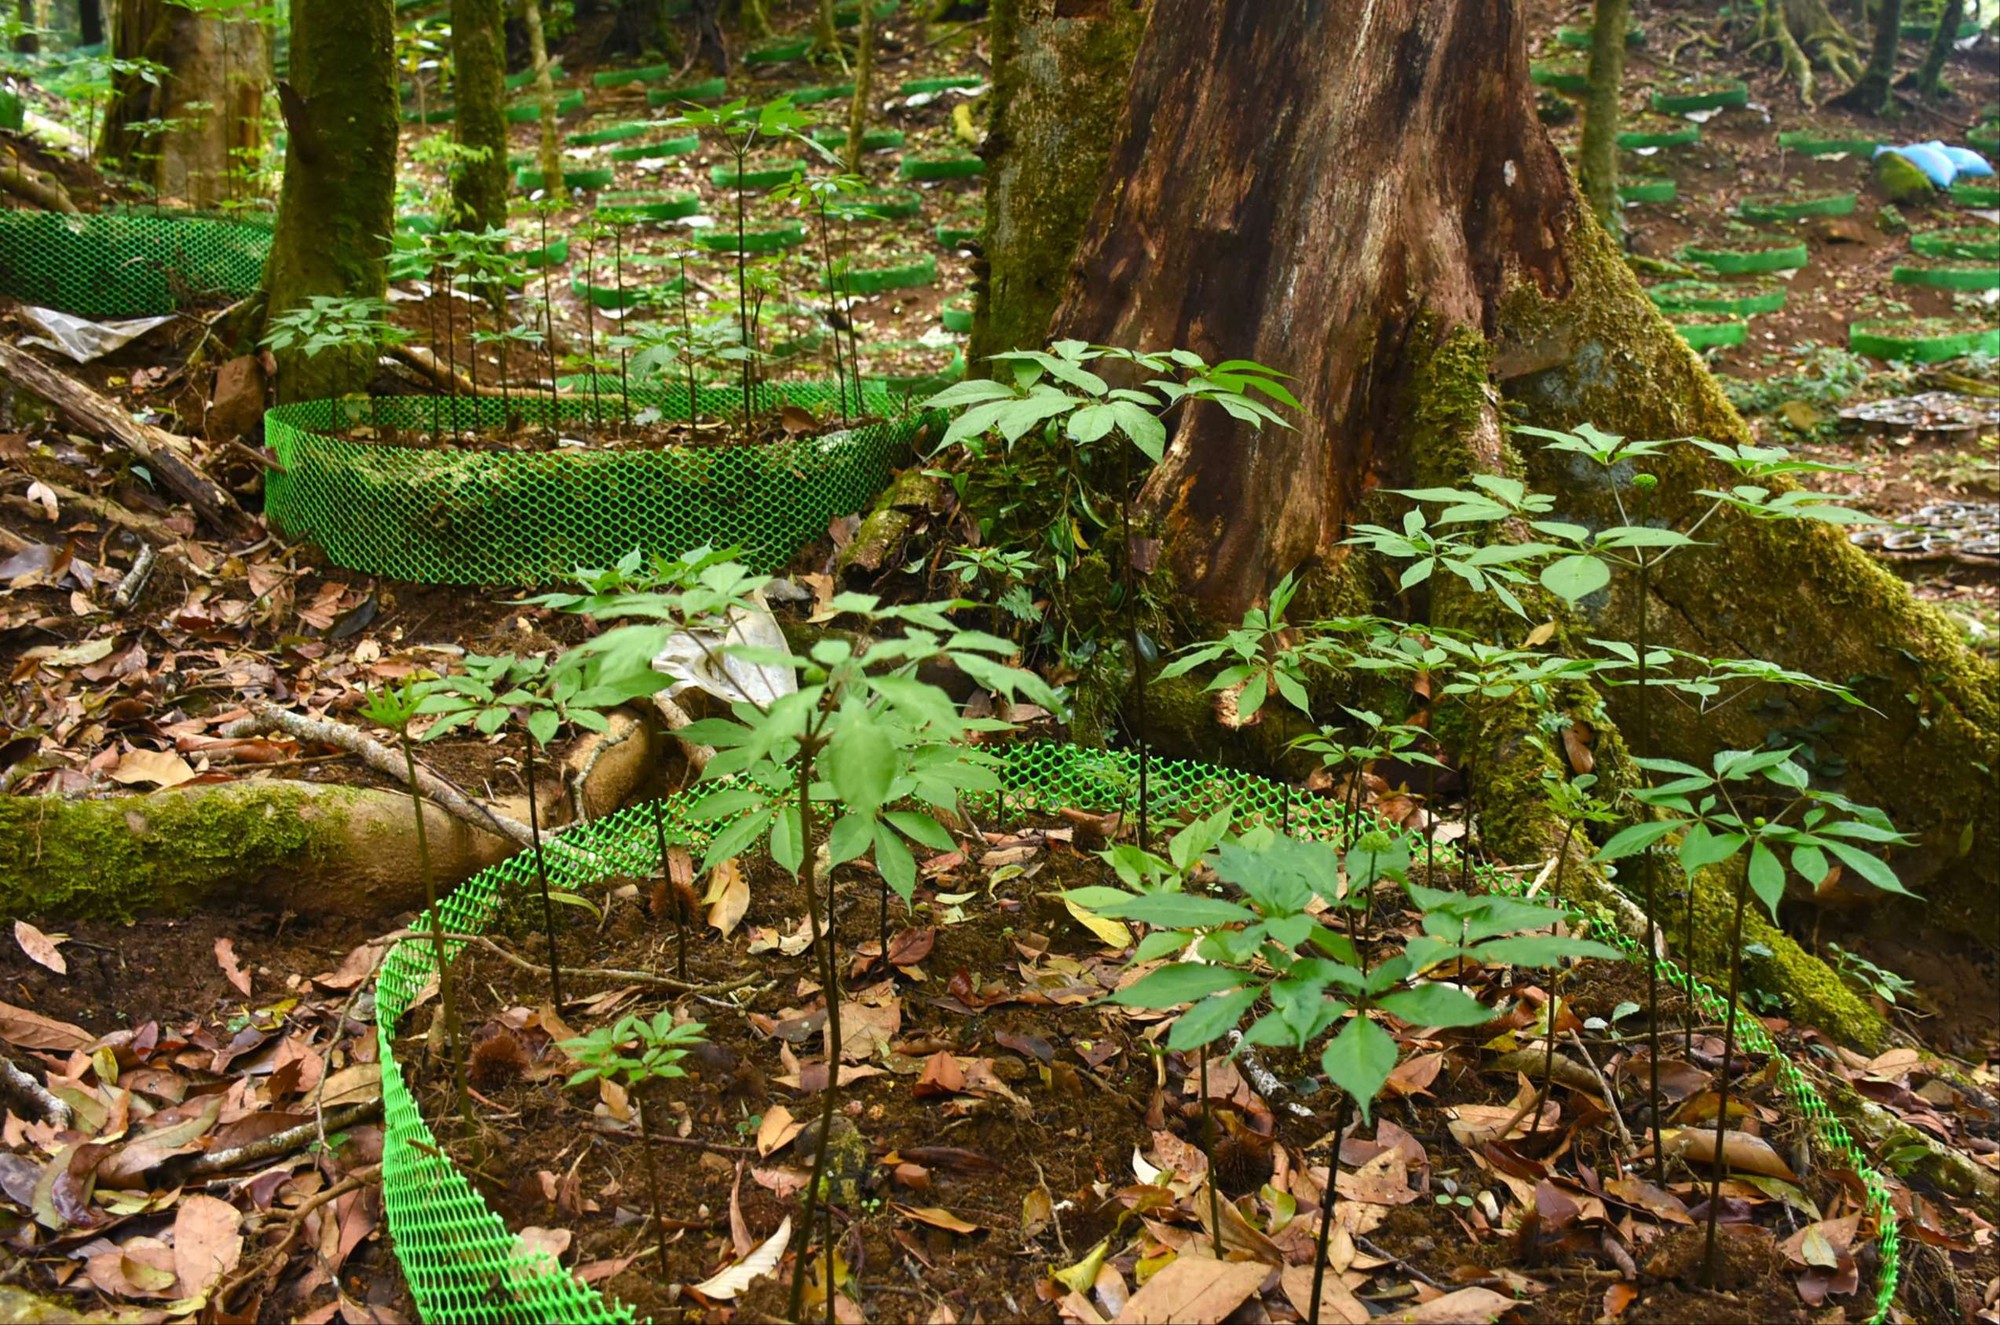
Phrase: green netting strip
pixel 455 516
pixel 462 1263
pixel 128 264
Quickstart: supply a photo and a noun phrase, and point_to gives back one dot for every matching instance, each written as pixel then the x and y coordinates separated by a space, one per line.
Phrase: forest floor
pixel 272 1017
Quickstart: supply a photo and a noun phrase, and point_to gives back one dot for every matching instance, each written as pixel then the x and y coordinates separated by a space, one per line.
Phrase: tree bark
pixel 29 42
pixel 479 65
pixel 90 21
pixel 211 99
pixel 1058 87
pixel 1404 299
pixel 1875 92
pixel 547 150
pixel 864 82
pixel 1930 78
pixel 1597 158
pixel 337 209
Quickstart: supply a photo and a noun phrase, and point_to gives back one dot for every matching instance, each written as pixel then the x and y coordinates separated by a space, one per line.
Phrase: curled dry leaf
pixel 232 969
pixel 727 1283
pixel 42 949
pixel 1740 1151
pixel 208 1241
pixel 155 767
pixel 1192 1291
pixel 728 896
pixel 777 1129
pixel 938 1217
pixel 31 1030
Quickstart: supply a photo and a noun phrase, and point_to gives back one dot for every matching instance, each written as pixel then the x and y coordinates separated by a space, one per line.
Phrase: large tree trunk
pixel 90 21
pixel 1875 92
pixel 479 72
pixel 186 133
pixel 1059 73
pixel 1597 156
pixel 1930 78
pixel 1404 298
pixel 337 208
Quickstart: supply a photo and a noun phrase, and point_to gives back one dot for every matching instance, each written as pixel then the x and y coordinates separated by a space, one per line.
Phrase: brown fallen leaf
pixel 1465 1306
pixel 728 897
pixel 1337 1303
pixel 31 1030
pixel 777 1129
pixel 232 969
pixel 937 1217
pixel 1617 1299
pixel 1643 1195
pixel 941 1076
pixel 208 1241
pixel 157 767
pixel 1193 1291
pixel 1740 1151
pixel 141 1267
pixel 42 949
pixel 129 1164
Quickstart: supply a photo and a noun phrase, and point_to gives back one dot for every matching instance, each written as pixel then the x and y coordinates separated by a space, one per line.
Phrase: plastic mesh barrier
pixel 456 516
pixel 128 264
pixel 462 1263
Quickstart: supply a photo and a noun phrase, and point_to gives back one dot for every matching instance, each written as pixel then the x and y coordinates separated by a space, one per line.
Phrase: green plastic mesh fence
pixel 464 1265
pixel 494 517
pixel 128 264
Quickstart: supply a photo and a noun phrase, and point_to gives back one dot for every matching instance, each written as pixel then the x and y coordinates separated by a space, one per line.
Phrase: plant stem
pixel 590 326
pixel 542 875
pixel 652 1177
pixel 1208 1153
pixel 618 283
pixel 1645 745
pixel 680 919
pixel 1722 1081
pixel 447 983
pixel 743 290
pixel 1138 661
pixel 1327 1200
pixel 833 311
pixel 823 941
pixel 549 320
pixel 687 335
pixel 1555 981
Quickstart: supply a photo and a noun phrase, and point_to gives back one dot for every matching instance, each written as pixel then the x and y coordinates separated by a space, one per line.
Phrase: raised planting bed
pixel 780 52
pixel 949 166
pixel 955 231
pixel 648 73
pixel 911 368
pixel 708 89
pixel 455 515
pixel 515 82
pixel 1921 340
pixel 872 140
pixel 682 145
pixel 416 223
pixel 1795 206
pixel 527 112
pixel 128 264
pixel 1975 195
pixel 587 178
pixel 876 205
pixel 1709 331
pixel 849 15
pixel 1925 27
pixel 456 1233
pixel 1716 94
pixel 1567 76
pixel 1647 190
pixel 1981 241
pixel 897 274
pixel 1948 275
pixel 612 133
pixel 756 239
pixel 813 96
pixel 647 206
pixel 626 296
pixel 1578 39
pixel 434 115
pixel 930 86
pixel 957 314
pixel 1659 135
pixel 1744 257
pixel 555 255
pixel 1715 297
pixel 1826 142
pixel 1985 138
pixel 758 173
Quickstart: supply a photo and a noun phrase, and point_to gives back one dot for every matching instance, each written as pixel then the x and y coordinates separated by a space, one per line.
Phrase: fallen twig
pixel 275 1145
pixel 272 1262
pixel 17 1084
pixel 1604 1089
pixel 602 973
pixel 134 583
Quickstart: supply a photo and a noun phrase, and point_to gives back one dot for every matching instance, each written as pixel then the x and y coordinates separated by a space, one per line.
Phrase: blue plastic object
pixel 1968 161
pixel 1941 164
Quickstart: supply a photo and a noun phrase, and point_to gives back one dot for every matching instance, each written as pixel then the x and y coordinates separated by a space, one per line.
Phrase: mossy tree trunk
pixel 1875 93
pixel 186 132
pixel 90 21
pixel 478 53
pixel 864 85
pixel 1411 303
pixel 1930 78
pixel 337 209
pixel 1597 158
pixel 1059 73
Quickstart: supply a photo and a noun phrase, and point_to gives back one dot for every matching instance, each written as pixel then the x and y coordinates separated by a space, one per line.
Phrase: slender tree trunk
pixel 90 21
pixel 1058 88
pixel 1598 157
pixel 1875 93
pixel 28 43
pixel 478 53
pixel 1930 79
pixel 864 83
pixel 826 32
pixel 548 152
pixel 336 212
pixel 1408 301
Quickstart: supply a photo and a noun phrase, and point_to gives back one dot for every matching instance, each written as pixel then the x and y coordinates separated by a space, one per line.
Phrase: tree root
pixel 1919 1153
pixel 21 1087
pixel 44 191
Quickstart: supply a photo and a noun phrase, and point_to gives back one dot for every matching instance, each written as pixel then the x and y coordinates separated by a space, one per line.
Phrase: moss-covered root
pixel 1919 1153
pixel 1795 593
pixel 315 850
pixel 887 524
